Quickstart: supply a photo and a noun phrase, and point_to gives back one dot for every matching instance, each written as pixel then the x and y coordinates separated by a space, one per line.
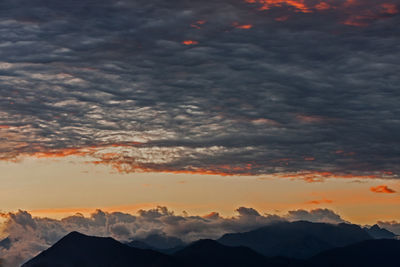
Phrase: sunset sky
pixel 200 106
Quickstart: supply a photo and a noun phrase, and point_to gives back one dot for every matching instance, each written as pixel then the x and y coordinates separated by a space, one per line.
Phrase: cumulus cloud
pixel 30 235
pixel 318 215
pixel 110 81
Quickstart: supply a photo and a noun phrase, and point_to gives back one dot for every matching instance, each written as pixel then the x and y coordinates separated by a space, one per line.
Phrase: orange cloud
pixel 60 153
pixel 243 26
pixel 317 176
pixel 320 201
pixel 382 189
pixel 350 12
pixel 298 5
pixel 190 42
pixel 322 6
pixel 198 23
pixel 390 9
pixel 212 215
pixel 313 118
pixel 43 152
pixel 282 18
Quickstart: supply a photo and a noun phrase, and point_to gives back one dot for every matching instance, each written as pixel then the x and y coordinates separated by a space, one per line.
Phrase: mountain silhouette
pixel 369 253
pixel 158 242
pixel 161 241
pixel 376 232
pixel 78 250
pixel 210 253
pixel 299 239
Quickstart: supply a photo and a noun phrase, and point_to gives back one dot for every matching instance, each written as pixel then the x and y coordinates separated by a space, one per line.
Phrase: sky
pixel 200 106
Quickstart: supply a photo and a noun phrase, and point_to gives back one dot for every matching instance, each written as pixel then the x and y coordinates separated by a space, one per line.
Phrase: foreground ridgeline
pixel 296 244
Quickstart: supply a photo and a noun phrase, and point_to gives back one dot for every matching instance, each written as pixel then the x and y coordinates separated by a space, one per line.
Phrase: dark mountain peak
pixel 375 227
pixel 76 250
pixel 75 235
pixel 300 239
pixel 378 233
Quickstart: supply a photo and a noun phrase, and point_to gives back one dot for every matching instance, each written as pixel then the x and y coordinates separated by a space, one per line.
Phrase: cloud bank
pixel 227 87
pixel 30 235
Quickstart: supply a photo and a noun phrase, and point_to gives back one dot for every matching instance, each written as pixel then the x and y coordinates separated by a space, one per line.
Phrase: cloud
pixel 317 215
pixel 235 103
pixel 319 201
pixel 30 235
pixel 382 189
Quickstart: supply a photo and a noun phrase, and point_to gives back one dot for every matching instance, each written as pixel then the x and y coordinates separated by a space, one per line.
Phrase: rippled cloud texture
pixel 30 235
pixel 229 87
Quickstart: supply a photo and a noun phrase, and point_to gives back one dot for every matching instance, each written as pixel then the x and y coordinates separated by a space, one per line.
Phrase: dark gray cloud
pixel 311 92
pixel 30 235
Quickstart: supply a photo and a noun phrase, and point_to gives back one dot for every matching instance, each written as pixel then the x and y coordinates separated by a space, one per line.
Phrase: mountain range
pixel 292 244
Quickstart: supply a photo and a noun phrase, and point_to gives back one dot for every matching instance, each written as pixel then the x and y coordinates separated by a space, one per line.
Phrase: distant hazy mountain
pixel 378 233
pixel 296 239
pixel 139 244
pixel 78 250
pixel 369 253
pixel 209 253
pixel 161 241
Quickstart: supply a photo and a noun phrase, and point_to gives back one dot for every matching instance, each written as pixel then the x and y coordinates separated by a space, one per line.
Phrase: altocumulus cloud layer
pixel 220 87
pixel 27 235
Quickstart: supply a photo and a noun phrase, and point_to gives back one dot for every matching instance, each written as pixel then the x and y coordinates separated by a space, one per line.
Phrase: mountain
pixel 160 241
pixel 213 254
pixel 139 244
pixel 369 253
pixel 299 239
pixel 378 233
pixel 78 250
